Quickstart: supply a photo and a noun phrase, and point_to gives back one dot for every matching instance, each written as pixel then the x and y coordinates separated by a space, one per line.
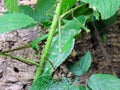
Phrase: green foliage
pixel 104 82
pixel 74 16
pixel 41 83
pixel 47 83
pixel 82 9
pixel 106 8
pixel 66 5
pixel 81 67
pixel 70 29
pixel 10 22
pixel 102 24
pixel 11 5
pixel 26 10
pixel 111 20
pixel 82 88
pixel 104 37
pixel 42 10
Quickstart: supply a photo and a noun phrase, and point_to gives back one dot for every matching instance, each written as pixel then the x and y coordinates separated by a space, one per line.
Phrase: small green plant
pixel 65 20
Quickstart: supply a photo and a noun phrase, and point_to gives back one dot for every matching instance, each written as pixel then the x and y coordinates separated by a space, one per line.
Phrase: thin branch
pixel 20 59
pixel 105 54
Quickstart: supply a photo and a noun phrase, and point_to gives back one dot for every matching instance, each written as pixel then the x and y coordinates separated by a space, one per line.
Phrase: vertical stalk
pixel 49 39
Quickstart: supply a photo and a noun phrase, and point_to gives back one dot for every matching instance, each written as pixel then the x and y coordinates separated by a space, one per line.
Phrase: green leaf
pixel 11 5
pixel 96 14
pixel 73 87
pixel 107 8
pixel 10 22
pixel 82 87
pixel 104 37
pixel 111 20
pixel 41 83
pixel 47 83
pixel 104 82
pixel 66 5
pixel 26 10
pixel 42 8
pixel 55 57
pixel 80 67
pixel 82 10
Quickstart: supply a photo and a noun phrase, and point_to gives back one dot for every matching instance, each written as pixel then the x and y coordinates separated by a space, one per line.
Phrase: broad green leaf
pixel 104 82
pixel 66 5
pixel 107 8
pixel 57 57
pixel 81 67
pixel 111 20
pixel 42 8
pixel 67 43
pixel 11 5
pixel 10 22
pixel 26 10
pixel 47 83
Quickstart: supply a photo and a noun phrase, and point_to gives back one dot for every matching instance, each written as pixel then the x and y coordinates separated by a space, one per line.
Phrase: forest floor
pixel 15 75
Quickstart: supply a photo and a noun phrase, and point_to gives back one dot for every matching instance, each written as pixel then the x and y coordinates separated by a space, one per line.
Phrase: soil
pixel 15 75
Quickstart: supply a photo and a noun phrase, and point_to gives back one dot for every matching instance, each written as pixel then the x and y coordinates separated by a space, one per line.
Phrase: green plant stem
pixel 20 59
pixel 49 39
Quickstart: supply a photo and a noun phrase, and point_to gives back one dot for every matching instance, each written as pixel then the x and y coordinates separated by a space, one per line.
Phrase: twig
pixel 105 54
pixel 20 59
